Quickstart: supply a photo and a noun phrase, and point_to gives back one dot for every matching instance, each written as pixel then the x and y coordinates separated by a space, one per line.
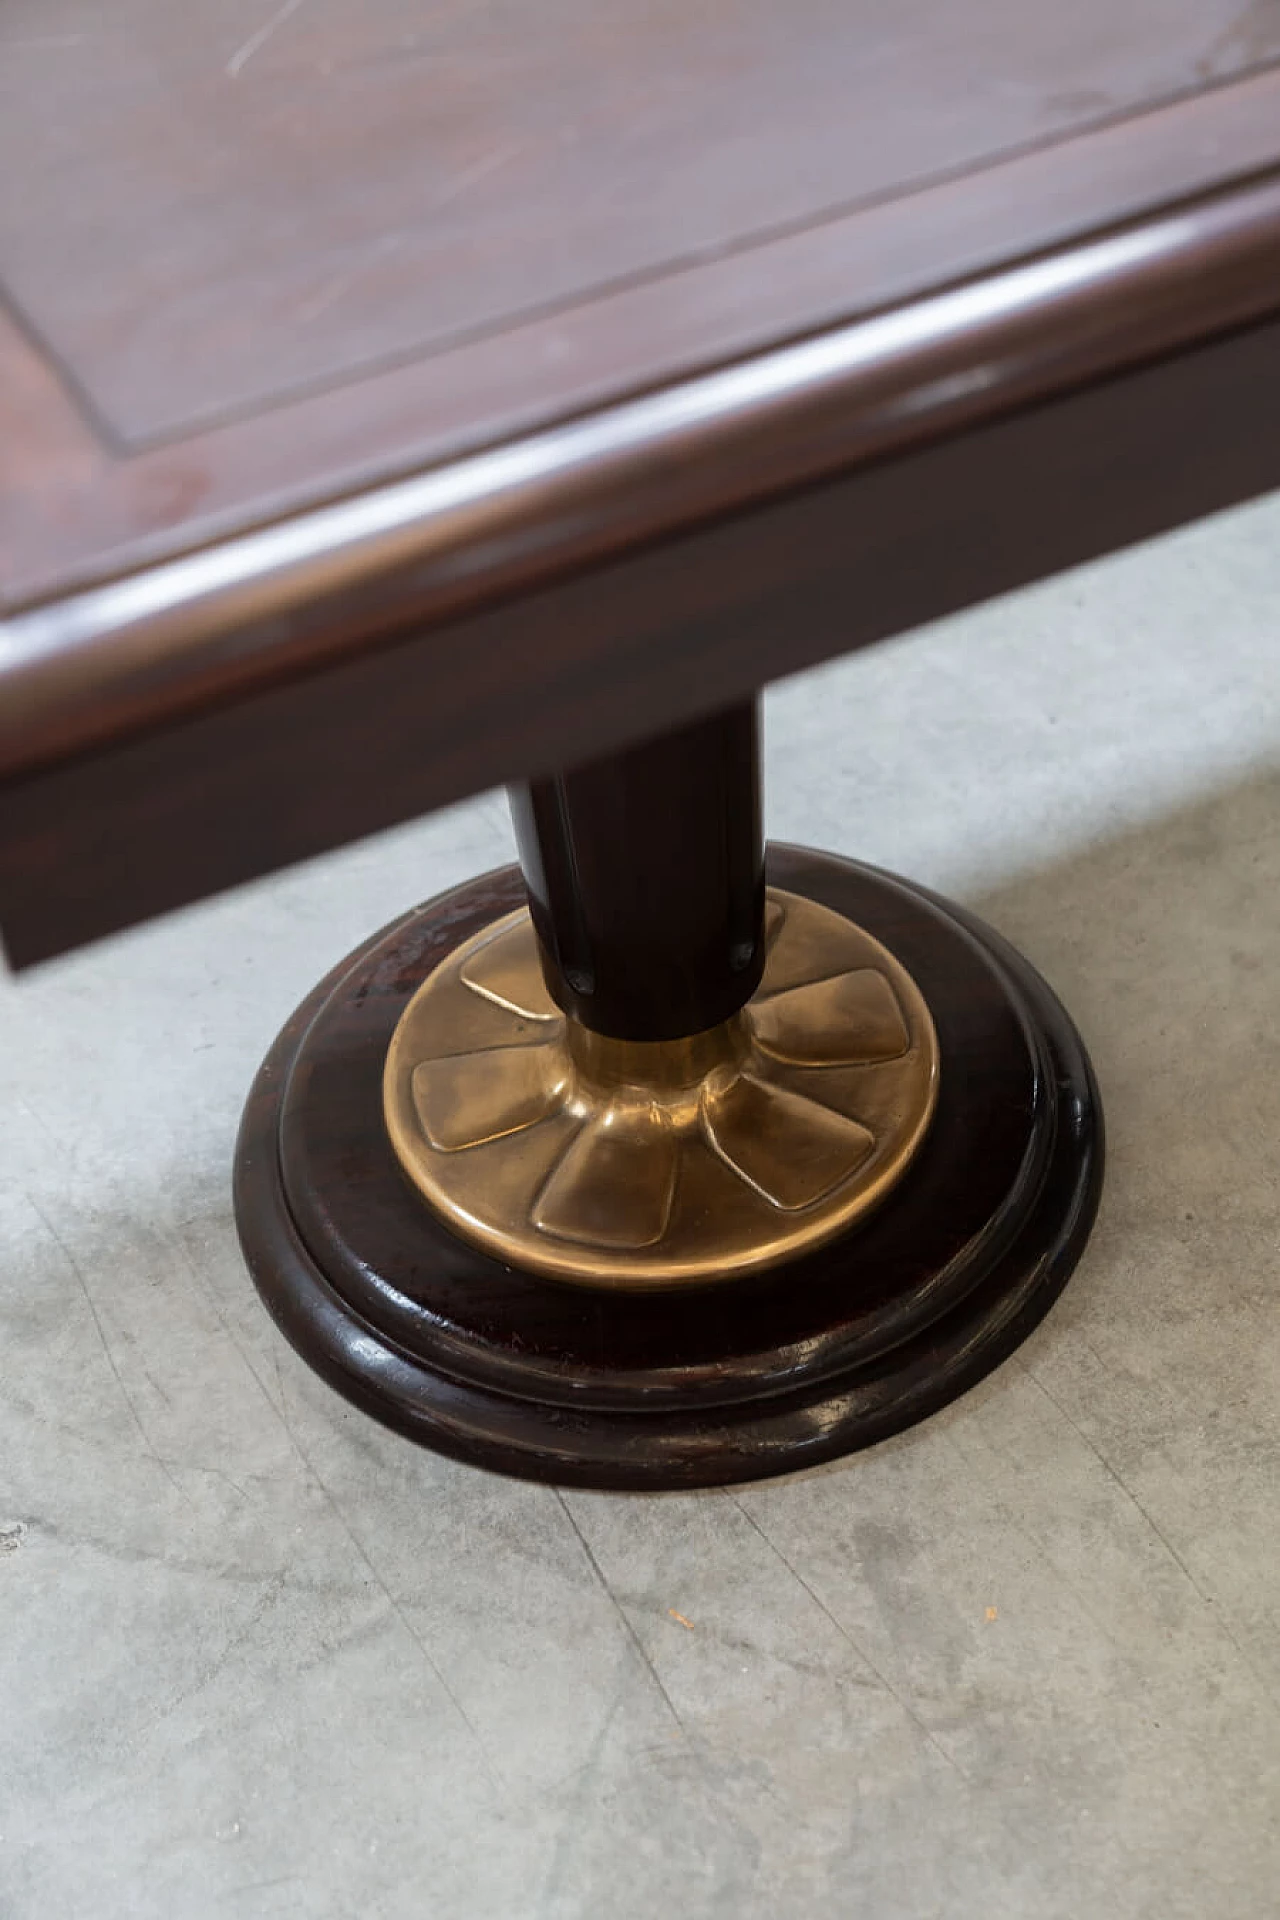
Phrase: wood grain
pixel 111 509
pixel 352 460
pixel 233 202
pixel 290 598
pixel 563 675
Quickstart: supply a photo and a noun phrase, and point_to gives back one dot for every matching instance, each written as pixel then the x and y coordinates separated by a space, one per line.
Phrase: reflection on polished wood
pixel 639 1387
pixel 651 1164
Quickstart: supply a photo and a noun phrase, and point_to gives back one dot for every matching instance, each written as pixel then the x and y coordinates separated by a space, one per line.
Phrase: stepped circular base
pixel 732 1379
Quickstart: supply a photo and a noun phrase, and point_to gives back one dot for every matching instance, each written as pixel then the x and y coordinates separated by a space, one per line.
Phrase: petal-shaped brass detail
pixel 790 1149
pixel 809 943
pixel 833 1023
pixel 657 1164
pixel 614 1185
pixel 506 970
pixel 468 1098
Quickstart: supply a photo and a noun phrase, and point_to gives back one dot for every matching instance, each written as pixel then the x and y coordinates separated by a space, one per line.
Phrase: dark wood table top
pixel 464 379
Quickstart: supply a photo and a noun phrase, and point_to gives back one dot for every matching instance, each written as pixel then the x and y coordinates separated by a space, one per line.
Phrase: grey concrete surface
pixel 259 1658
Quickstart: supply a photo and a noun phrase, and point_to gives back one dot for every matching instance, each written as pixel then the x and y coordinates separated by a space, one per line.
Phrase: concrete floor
pixel 258 1657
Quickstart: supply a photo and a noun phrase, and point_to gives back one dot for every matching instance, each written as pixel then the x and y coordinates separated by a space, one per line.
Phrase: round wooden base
pixel 729 1381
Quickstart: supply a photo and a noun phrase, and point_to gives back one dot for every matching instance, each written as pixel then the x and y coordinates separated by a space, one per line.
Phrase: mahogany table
pixel 400 398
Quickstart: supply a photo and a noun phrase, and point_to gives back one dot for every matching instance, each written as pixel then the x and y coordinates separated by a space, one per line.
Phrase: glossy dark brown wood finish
pixel 392 406
pixel 288 598
pixel 752 1377
pixel 270 244
pixel 73 510
pixel 645 874
pixel 622 651
pixel 220 209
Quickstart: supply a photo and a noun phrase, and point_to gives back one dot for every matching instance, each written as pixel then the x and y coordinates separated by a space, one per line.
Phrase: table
pixel 396 401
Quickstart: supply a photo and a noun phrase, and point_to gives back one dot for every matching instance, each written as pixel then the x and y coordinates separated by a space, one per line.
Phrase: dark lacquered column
pixel 645 873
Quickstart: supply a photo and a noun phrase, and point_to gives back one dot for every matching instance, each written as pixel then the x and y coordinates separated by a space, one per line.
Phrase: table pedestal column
pixel 660 1162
